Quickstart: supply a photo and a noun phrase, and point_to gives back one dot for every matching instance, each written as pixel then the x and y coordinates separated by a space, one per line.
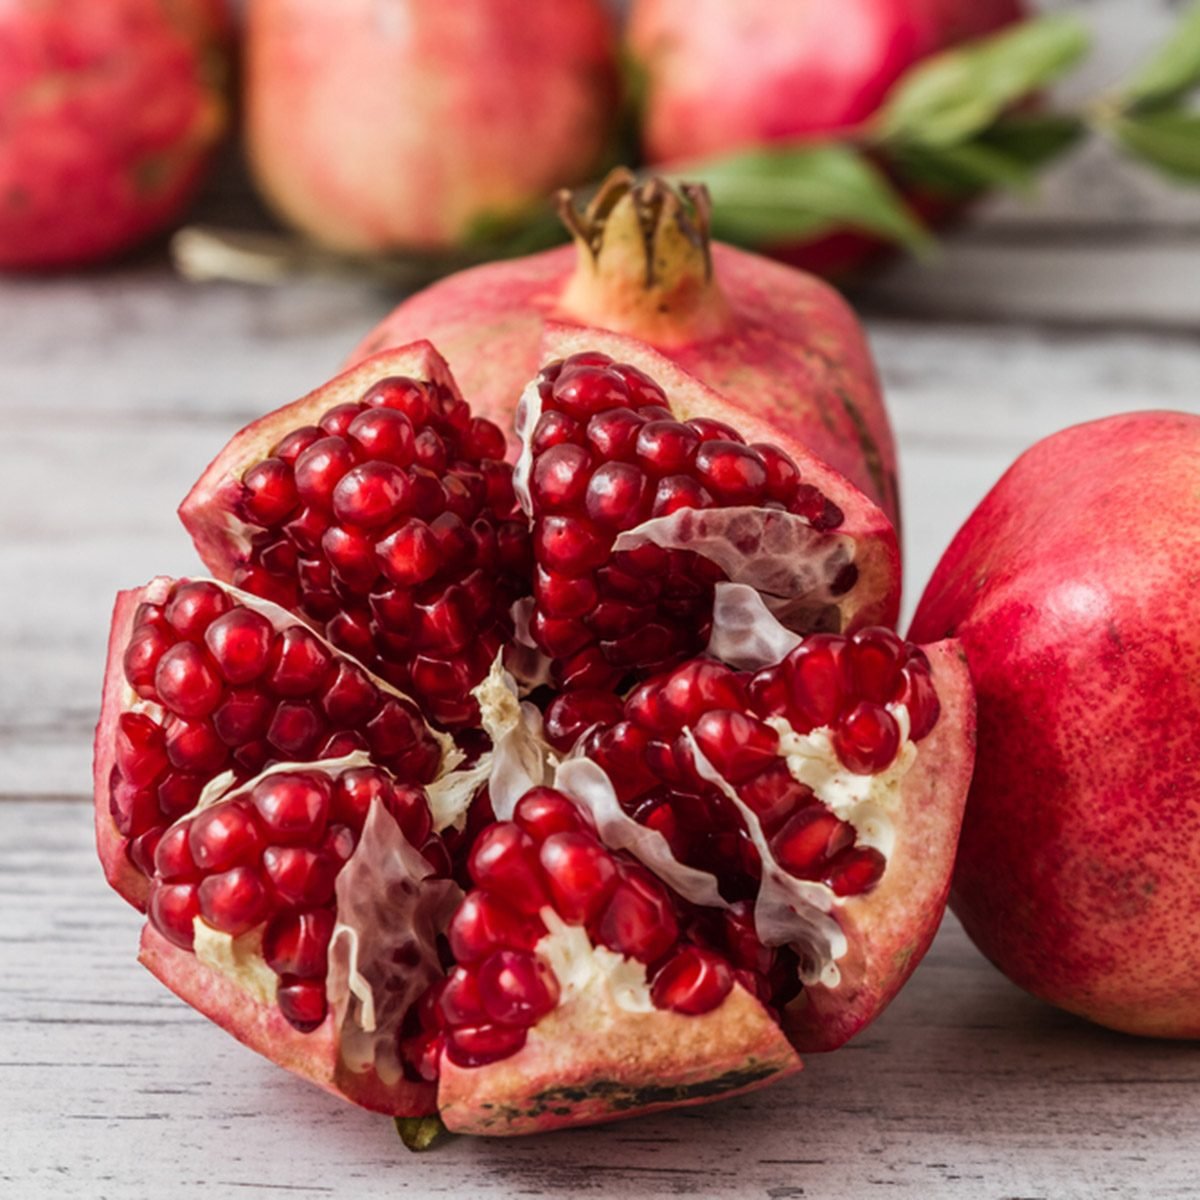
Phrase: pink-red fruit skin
pixel 371 126
pixel 1072 590
pixel 781 345
pixel 108 116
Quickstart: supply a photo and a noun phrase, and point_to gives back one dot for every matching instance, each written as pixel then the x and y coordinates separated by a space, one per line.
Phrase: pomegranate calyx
pixel 644 262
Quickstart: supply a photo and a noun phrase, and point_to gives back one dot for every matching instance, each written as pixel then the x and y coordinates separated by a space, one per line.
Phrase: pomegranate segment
pixel 203 681
pixel 603 457
pixel 384 512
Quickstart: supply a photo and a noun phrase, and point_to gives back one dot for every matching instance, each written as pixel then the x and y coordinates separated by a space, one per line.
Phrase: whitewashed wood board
pixel 111 1089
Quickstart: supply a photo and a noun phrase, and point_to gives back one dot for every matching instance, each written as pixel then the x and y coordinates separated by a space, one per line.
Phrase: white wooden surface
pixel 116 388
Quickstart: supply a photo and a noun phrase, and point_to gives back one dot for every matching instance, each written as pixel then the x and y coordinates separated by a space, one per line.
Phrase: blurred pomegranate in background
pixel 724 75
pixel 374 124
pixel 108 114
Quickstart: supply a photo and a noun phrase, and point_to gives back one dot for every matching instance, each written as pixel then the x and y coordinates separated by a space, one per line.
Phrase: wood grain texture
pixel 111 1089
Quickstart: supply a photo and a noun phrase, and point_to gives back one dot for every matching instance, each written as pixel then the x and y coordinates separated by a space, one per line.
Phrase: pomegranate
pixel 643 265
pixel 108 115
pixel 787 73
pixel 672 838
pixel 373 124
pixel 1078 870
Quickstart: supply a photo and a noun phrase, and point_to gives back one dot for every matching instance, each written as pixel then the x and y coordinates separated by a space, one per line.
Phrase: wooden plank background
pixel 116 388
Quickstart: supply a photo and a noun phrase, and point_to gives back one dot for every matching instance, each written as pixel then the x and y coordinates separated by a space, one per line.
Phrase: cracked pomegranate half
pixel 678 807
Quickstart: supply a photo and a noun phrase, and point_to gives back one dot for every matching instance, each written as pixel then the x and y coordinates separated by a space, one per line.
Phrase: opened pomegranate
pixel 783 347
pixel 721 77
pixel 376 124
pixel 1071 589
pixel 660 852
pixel 108 116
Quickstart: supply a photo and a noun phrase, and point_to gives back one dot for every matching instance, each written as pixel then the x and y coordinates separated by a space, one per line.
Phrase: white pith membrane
pixel 157 591
pixel 778 554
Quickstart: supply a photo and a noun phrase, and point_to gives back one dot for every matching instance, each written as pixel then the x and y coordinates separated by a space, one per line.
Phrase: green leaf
pixel 789 193
pixel 1034 139
pixel 421 1133
pixel 1168 140
pixel 952 97
pixel 1172 72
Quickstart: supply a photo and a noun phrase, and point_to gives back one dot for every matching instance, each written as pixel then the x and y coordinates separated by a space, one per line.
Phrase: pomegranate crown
pixel 645 258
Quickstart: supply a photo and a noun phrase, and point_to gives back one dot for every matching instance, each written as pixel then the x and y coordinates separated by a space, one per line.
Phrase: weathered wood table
pixel 114 392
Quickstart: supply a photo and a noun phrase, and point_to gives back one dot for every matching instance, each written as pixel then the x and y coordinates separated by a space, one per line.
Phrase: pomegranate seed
pixel 560 478
pixel 460 1002
pixel 140 750
pixel 571 714
pixel 517 988
pixel 485 440
pixel 337 420
pixel 400 394
pixel 919 696
pixel 554 429
pixel 638 921
pixel 478 1045
pixel 299 664
pixel 293 807
pixel 569 545
pixel 295 443
pixel 613 435
pixel 296 729
pixel 809 839
pixel 676 492
pixel 739 747
pixel 172 910
pixel 783 476
pixel 542 812
pixel 223 836
pixel 187 682
pixel 504 859
pixel 240 644
pixel 194 606
pixel 141 850
pixel 409 556
pixel 133 810
pixel 709 430
pixel 692 981
pixel 484 923
pixel 305 529
pixel 300 876
pixel 172 858
pixel 372 494
pixel 393 729
pixel 616 496
pixel 297 943
pixel 383 434
pixel 351 553
pixel 855 871
pixel 268 493
pixel 233 901
pixel 666 447
pixel 666 705
pixel 875 660
pixel 178 793
pixel 868 739
pixel 193 745
pixel 319 469
pixel 585 389
pixel 147 645
pixel 818 683
pixel 242 717
pixel 409 805
pixel 580 874
pixel 302 1002
pixel 774 795
pixel 429 451
pixel 734 473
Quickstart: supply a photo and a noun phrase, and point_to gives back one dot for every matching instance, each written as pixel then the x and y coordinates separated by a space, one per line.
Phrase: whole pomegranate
pixel 376 124
pixel 108 116
pixel 538 794
pixel 721 76
pixel 643 264
pixel 1079 869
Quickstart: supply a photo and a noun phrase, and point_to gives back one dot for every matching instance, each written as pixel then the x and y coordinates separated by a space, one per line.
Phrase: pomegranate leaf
pixel 1173 71
pixel 1169 141
pixel 952 97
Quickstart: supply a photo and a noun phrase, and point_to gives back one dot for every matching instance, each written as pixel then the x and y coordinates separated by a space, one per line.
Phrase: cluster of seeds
pixel 271 858
pixel 548 856
pixel 221 688
pixel 392 521
pixel 608 455
pixel 828 681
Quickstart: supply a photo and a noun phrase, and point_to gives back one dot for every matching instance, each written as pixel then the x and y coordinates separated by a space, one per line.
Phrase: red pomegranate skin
pixel 373 124
pixel 1072 589
pixel 108 116
pixel 722 77
pixel 779 343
